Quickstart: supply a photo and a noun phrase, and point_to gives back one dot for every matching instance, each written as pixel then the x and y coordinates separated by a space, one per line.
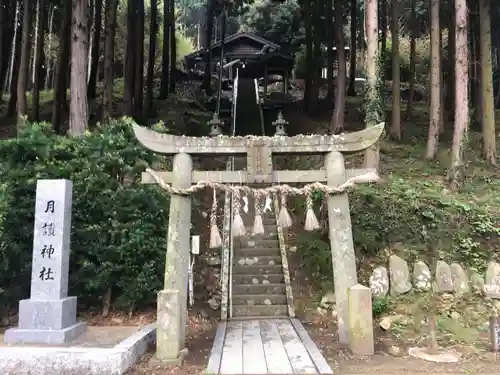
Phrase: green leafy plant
pixel 380 306
pixel 118 225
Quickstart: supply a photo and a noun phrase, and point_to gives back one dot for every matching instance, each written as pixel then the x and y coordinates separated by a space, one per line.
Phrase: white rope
pixel 369 177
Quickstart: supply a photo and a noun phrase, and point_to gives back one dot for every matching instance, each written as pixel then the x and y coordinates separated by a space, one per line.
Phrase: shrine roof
pixel 233 39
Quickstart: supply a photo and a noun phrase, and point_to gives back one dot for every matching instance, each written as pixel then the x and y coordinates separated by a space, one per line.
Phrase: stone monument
pixel 49 316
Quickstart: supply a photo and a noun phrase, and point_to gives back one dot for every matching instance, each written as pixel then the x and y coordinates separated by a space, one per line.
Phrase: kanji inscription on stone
pixel 49 316
pixel 49 278
pixel 259 162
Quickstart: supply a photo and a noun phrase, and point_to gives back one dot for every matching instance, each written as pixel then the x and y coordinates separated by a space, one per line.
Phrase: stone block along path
pixel 265 346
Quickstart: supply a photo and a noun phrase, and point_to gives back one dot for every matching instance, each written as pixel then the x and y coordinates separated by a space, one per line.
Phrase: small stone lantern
pixel 280 124
pixel 215 125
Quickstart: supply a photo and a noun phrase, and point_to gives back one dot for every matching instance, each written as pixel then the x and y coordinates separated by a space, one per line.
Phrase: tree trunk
pixel 139 59
pixel 95 53
pixel 153 32
pixel 39 58
pixel 16 41
pixel 435 98
pixel 309 76
pixel 165 59
pixel 22 104
pixel 330 36
pixel 14 62
pixel 173 48
pixel 317 61
pixel 35 47
pixel 109 56
pixel 396 85
pixel 475 85
pixel 461 94
pixel 373 115
pixel 449 100
pixel 338 112
pixel 79 111
pixel 362 41
pixel 413 60
pixel 130 54
pixel 106 303
pixel 48 61
pixel 3 26
pixel 351 91
pixel 441 89
pixel 61 73
pixel 488 115
pixel 383 33
pixel 207 78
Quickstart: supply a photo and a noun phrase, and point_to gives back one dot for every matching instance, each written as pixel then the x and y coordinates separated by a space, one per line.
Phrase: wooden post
pixel 265 82
pixel 342 247
pixel 172 301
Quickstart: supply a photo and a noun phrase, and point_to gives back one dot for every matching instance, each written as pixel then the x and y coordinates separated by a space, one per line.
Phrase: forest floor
pixel 465 334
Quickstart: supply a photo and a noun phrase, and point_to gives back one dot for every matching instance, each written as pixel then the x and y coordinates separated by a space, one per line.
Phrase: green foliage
pixel 300 61
pixel 278 22
pixel 184 44
pixel 422 62
pixel 118 225
pixel 412 213
pixel 380 306
pixel 315 257
pixel 419 216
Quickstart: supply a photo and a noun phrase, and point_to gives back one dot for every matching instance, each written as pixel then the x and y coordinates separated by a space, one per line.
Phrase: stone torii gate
pixel 172 300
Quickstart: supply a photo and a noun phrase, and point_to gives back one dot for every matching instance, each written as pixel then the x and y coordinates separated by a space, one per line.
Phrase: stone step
pixel 260 242
pixel 258 289
pixel 258 279
pixel 269 220
pixel 260 317
pixel 257 270
pixel 270 233
pixel 259 299
pixel 260 310
pixel 256 251
pixel 265 260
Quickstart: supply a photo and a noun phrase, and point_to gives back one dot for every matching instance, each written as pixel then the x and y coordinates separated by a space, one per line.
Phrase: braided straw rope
pixel 257 205
pixel 369 177
pixel 309 200
pixel 213 212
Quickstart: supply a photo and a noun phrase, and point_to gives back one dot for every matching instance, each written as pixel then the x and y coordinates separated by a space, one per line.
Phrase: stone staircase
pixel 258 286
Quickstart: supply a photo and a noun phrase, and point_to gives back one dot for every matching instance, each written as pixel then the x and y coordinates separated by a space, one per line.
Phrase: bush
pixel 118 236
pixel 413 217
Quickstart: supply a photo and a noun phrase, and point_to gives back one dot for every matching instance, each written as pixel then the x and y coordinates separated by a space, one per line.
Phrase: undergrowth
pixel 411 213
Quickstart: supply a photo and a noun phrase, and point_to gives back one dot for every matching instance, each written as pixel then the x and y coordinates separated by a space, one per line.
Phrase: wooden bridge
pixel 265 346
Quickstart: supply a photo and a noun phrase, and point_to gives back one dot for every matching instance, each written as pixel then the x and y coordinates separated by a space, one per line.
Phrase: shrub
pixel 118 236
pixel 415 217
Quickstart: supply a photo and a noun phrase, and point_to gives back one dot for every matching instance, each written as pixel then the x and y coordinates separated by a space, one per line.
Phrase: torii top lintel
pixel 304 144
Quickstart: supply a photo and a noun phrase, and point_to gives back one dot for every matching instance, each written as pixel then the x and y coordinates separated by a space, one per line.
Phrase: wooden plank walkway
pixel 265 346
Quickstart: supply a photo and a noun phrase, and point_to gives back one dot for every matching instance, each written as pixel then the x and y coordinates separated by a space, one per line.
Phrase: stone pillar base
pixel 44 336
pixel 169 327
pixel 46 322
pixel 47 314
